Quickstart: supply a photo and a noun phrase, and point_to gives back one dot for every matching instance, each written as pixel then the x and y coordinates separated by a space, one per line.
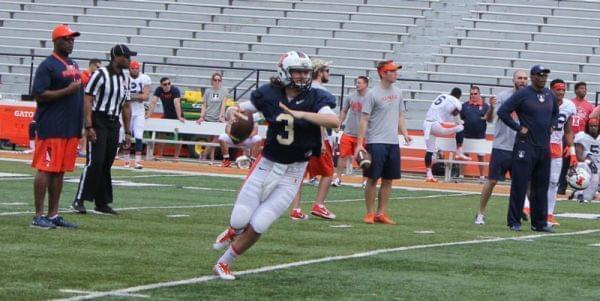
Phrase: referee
pixel 106 95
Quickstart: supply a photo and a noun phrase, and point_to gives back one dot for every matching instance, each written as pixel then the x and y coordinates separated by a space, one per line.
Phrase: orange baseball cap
pixel 62 31
pixel 134 65
pixel 388 66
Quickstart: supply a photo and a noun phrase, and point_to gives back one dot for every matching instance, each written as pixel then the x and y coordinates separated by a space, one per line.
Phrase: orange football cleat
pixel 369 218
pixel 382 218
pixel 551 220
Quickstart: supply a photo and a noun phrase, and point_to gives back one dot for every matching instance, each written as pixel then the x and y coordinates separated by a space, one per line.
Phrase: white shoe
pixel 313 181
pixel 222 270
pixel 138 165
pixel 479 219
pixel 461 156
pixel 337 182
pixel 127 164
pixel 364 185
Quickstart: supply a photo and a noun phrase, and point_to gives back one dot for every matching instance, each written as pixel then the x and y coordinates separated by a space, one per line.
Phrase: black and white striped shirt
pixel 110 89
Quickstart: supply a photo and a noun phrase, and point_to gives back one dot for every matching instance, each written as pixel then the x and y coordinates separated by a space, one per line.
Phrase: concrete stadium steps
pixel 585 49
pixel 500 36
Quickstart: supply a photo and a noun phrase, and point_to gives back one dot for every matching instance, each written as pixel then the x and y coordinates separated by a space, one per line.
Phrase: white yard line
pixel 65 210
pixel 267 269
pixel 70 291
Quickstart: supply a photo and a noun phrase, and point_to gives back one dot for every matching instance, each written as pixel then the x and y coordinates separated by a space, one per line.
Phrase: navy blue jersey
pixel 290 140
pixel 168 101
pixel 472 115
pixel 60 118
pixel 537 111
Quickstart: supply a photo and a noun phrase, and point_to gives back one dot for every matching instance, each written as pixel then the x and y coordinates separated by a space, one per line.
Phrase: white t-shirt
pixel 442 107
pixel 137 87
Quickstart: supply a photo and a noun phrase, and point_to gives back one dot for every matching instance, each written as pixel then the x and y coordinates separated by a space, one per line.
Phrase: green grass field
pixel 434 253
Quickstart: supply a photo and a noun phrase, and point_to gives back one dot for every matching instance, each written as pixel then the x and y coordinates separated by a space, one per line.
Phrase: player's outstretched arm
pixel 328 120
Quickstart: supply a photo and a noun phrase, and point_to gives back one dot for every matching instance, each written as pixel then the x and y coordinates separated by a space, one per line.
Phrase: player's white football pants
pixel 266 194
pixel 431 129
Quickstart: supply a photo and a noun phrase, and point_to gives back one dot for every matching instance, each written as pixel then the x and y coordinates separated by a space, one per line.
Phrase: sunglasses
pixel 217 80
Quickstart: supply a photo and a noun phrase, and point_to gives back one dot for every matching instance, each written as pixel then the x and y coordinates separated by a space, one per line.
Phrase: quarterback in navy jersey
pixel 294 112
pixel 290 140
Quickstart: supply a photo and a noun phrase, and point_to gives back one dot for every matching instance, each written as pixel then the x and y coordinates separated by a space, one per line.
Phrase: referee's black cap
pixel 122 50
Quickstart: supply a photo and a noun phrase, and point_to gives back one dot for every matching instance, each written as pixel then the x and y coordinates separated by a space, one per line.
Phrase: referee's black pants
pixel 96 183
pixel 530 163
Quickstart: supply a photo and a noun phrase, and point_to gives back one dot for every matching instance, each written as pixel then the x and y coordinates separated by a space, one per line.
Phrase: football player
pixel 140 91
pixel 294 113
pixel 587 148
pixel 562 128
pixel 225 140
pixel 443 118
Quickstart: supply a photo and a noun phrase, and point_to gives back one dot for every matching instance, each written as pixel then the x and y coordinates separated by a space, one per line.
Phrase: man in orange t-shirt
pixel 584 108
pixel 94 64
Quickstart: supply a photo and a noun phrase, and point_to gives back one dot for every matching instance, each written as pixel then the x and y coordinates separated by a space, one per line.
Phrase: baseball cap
pixel 388 66
pixel 122 50
pixel 539 69
pixel 134 65
pixel 63 30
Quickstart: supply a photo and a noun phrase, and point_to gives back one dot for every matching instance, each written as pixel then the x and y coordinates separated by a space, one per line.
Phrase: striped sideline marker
pixel 265 269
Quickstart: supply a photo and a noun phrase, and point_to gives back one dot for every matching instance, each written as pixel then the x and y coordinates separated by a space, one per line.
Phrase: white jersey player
pixel 587 147
pixel 443 118
pixel 140 91
pixel 562 128
pixel 251 143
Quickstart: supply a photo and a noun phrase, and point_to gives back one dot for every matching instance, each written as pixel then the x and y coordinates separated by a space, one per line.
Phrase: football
pixel 241 127
pixel 363 159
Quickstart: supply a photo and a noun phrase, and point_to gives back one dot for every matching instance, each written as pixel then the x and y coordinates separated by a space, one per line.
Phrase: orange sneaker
pixel 382 218
pixel 224 239
pixel 297 214
pixel 222 270
pixel 226 163
pixel 551 220
pixel 369 218
pixel 431 180
pixel 322 212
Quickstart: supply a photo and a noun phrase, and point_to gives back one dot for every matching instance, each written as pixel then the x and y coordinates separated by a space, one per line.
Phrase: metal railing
pixel 234 89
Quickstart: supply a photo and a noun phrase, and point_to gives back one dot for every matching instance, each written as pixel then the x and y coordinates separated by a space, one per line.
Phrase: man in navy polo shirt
pixel 537 110
pixel 59 119
pixel 473 114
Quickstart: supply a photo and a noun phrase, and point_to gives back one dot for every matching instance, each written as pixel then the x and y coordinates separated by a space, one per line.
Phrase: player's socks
pixel 229 256
pixel 429 172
